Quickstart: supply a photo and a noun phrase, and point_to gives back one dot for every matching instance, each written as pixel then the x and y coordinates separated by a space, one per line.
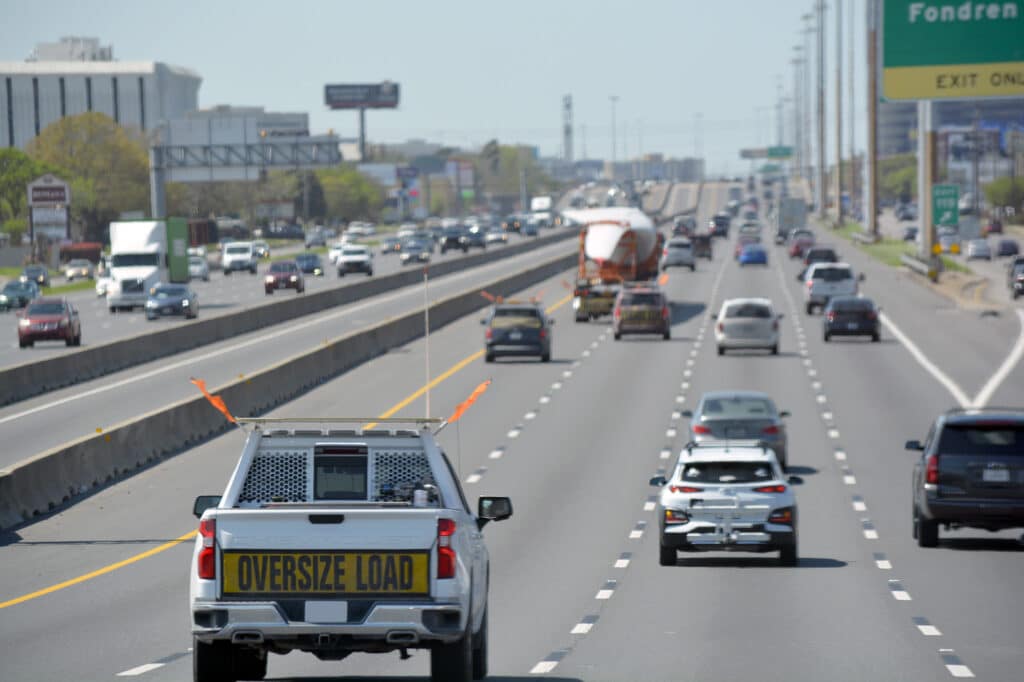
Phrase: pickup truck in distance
pixel 336 540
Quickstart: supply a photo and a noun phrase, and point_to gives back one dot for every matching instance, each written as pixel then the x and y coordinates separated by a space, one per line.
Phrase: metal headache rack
pixel 277 426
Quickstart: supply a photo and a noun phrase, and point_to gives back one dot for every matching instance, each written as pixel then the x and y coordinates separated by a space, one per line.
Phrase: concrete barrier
pixel 53 478
pixel 33 378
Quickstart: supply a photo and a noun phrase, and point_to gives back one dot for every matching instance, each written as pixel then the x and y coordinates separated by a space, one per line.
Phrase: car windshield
pixel 353 252
pixel 78 264
pixel 45 309
pixel 516 317
pixel 737 407
pixel 283 267
pixel 749 310
pixel 237 249
pixel 641 298
pixel 727 472
pixel 129 260
pixel 170 292
pixel 997 438
pixel 15 287
pixel 832 274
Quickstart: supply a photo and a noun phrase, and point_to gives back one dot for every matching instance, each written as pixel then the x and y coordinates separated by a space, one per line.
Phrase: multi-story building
pixel 897 121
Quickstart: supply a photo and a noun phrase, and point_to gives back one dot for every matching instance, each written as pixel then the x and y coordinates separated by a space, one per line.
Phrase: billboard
pixel 362 96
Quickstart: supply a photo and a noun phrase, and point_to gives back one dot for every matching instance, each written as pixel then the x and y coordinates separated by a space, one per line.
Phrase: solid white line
pixel 929 630
pixel 581 629
pixel 142 669
pixel 604 594
pixel 985 394
pixel 922 360
pixel 959 671
pixel 621 563
pixel 543 667
pixel 884 564
pixel 858 505
pixel 901 595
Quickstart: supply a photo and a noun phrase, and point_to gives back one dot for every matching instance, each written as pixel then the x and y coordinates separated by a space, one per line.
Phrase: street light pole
pixel 839 113
pixel 614 99
pixel 806 113
pixel 822 192
pixel 798 107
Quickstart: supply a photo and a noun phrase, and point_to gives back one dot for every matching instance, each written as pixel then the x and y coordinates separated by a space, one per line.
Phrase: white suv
pixel 239 256
pixel 824 281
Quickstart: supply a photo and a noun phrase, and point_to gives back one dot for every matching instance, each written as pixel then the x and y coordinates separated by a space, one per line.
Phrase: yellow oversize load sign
pixel 320 573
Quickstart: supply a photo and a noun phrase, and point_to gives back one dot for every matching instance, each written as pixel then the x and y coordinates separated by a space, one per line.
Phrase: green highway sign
pixel 780 152
pixel 946 205
pixel 952 49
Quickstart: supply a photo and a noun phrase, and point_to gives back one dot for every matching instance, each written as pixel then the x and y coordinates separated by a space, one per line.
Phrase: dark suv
pixel 970 473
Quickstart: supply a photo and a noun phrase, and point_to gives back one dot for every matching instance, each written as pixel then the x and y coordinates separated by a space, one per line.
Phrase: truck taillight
pixel 701 429
pixel 489 333
pixel 684 489
pixel 207 563
pixel 445 552
pixel 664 312
pixel 721 327
pixel 810 283
pixel 543 334
pixel 931 470
pixel 831 317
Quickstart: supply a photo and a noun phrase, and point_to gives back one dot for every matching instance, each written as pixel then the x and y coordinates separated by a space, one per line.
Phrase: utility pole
pixel 808 136
pixel 871 152
pixel 839 113
pixel 925 165
pixel 798 106
pixel 778 111
pixel 614 99
pixel 821 188
pixel 851 120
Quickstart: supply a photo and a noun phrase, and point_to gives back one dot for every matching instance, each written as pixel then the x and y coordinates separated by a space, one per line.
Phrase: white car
pixel 747 323
pixel 354 258
pixel 823 281
pixel 239 256
pixel 678 251
pixel 198 268
pixel 406 230
pixel 727 497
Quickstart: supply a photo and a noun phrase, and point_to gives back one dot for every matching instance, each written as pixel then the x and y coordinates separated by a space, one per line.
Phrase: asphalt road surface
pixel 576 591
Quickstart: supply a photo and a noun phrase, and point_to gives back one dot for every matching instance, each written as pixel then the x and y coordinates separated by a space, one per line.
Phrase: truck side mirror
pixel 658 481
pixel 914 445
pixel 204 502
pixel 493 509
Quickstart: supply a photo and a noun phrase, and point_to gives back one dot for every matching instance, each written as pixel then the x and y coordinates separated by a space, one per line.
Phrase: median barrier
pixel 50 479
pixel 33 378
pixel 924 268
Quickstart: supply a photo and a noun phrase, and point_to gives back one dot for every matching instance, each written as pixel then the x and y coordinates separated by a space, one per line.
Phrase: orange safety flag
pixel 538 298
pixel 215 400
pixel 663 280
pixel 488 296
pixel 465 404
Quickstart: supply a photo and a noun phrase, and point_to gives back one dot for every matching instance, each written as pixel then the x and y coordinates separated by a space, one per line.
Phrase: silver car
pixel 727 497
pixel 678 252
pixel 740 415
pixel 979 248
pixel 198 268
pixel 747 323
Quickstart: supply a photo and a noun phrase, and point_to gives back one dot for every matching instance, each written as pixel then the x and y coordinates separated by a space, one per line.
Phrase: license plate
pixel 995 475
pixel 326 612
pixel 282 285
pixel 168 311
pixel 515 336
pixel 379 574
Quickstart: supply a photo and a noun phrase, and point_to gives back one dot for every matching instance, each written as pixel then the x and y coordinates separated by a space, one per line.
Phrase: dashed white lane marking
pixel 827 416
pixel 675 415
pixel 680 399
pixel 649 506
pixel 812 372
pixel 840 455
pixel 685 385
pixel 566 374
pixel 687 373
pixel 545 399
pixel 816 385
pixel 833 434
pixel 670 433
pixel 689 362
pixel 140 670
pixel 696 344
pixel 807 362
pixel 693 353
pixel 804 352
pixel 954 665
pixel 897 591
pixel 858 504
pixel 530 415
pixel 882 563
pixel 581 628
pixel 514 433
pixel 476 475
pixel 623 560
pixel 543 667
pixel 849 479
pixel 821 398
pixel 575 363
pixel 665 454
pixel 496 453
pixel 607 591
pixel 638 530
pixel 556 386
pixel 870 532
pixel 929 631
pixel 586 353
pixel 593 344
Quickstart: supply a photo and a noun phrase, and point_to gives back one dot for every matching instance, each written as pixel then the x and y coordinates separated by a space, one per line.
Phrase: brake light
pixel 783 516
pixel 931 470
pixel 831 317
pixel 771 489
pixel 775 325
pixel 872 315
pixel 445 552
pixel 207 561
pixel 721 327
pixel 701 429
pixel 543 334
pixel 770 430
pixel 664 312
pixel 664 252
pixel 810 283
pixel 675 517
pixel 618 313
pixel 684 489
pixel 489 333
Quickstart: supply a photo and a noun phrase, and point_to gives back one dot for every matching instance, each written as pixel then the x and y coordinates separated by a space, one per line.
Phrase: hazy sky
pixel 471 71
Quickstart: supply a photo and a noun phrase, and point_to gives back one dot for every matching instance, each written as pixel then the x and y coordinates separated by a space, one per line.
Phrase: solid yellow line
pixel 98 572
pixel 191 534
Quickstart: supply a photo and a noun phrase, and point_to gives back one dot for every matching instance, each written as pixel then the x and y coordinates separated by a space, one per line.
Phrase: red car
pixel 284 274
pixel 799 245
pixel 49 319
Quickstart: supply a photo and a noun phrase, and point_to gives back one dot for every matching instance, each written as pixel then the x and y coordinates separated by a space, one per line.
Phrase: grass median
pixel 889 251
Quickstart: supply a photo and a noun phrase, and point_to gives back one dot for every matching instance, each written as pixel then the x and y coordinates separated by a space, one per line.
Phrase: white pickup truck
pixel 336 540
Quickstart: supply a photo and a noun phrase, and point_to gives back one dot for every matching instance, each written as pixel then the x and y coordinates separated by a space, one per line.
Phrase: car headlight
pixel 23 322
pixel 269 279
pixel 151 303
pixel 317 271
pixel 63 323
pixel 3 298
pixel 294 278
pixel 184 303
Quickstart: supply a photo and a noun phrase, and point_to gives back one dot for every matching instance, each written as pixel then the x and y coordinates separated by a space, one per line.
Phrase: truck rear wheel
pixel 212 662
pixel 480 651
pixel 453 662
pixel 250 664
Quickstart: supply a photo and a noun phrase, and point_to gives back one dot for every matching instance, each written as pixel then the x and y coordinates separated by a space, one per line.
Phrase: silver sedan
pixel 979 248
pixel 739 415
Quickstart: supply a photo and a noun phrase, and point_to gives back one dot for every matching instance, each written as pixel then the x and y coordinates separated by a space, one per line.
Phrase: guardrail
pixel 33 378
pixel 864 237
pixel 50 479
pixel 921 267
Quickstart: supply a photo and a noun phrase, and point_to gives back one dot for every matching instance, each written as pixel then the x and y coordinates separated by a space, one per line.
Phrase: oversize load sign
pixel 952 49
pixel 325 573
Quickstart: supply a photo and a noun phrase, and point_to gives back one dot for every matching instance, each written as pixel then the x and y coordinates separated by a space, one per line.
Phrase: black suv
pixel 970 473
pixel 454 238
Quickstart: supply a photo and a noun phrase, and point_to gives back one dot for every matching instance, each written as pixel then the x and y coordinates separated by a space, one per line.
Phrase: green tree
pixel 108 168
pixel 897 177
pixel 17 169
pixel 350 195
pixel 1006 192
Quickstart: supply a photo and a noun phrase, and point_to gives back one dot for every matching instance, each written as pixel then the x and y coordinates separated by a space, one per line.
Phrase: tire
pixel 927 531
pixel 212 662
pixel 150 318
pixel 666 556
pixel 250 664
pixel 369 273
pixel 693 268
pixel 580 319
pixel 721 350
pixel 227 272
pixel 825 337
pixel 252 270
pixel 489 357
pixel 875 338
pixel 809 308
pixel 789 556
pixel 22 344
pixel 667 335
pixel 78 339
pixel 453 662
pixel 341 273
pixel 617 336
pixel 775 349
pixel 270 292
pixel 300 290
pixel 206 278
pixel 546 357
pixel 480 651
pixel 70 341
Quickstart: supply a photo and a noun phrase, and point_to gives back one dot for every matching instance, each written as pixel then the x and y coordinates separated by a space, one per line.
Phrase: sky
pixel 692 77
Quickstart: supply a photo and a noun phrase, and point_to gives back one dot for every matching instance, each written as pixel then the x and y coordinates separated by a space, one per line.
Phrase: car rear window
pixel 832 274
pixel 46 309
pixel 686 246
pixel 822 255
pixel 170 292
pixel 727 472
pixel 651 299
pixel 852 305
pixel 516 317
pixel 749 310
pixel 737 407
pixel 1004 438
pixel 282 267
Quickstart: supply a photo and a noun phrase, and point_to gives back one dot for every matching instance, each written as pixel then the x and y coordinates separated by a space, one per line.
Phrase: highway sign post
pixel 362 96
pixel 945 205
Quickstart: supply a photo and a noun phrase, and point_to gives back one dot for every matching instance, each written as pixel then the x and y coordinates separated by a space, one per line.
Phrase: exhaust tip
pixel 247 637
pixel 401 637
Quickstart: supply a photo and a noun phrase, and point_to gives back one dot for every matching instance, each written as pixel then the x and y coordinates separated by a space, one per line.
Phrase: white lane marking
pixel 821 398
pixel 689 362
pixel 833 433
pixel 897 591
pixel 693 353
pixel 530 415
pixel 575 363
pixel 566 374
pixel 883 564
pixel 927 364
pixel 929 631
pixel 140 670
pixel 804 352
pixel 514 433
pixel 858 505
pixel 850 479
pixel 696 344
pixel 593 344
pixel 473 478
pixel 687 373
pixel 635 534
pixel 556 386
pixel 870 533
pixel 816 385
pixel 665 454
pixel 812 372
pixel 827 416
pixel 586 353
pixel 621 563
pixel 670 433
pixel 680 399
pixel 649 506
pixel 840 455
pixel 685 385
pixel 581 629
pixel 545 399
pixel 959 671
pixel 807 362
pixel 604 594
pixel 497 453
pixel 543 667
pixel 675 415
pixel 985 394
